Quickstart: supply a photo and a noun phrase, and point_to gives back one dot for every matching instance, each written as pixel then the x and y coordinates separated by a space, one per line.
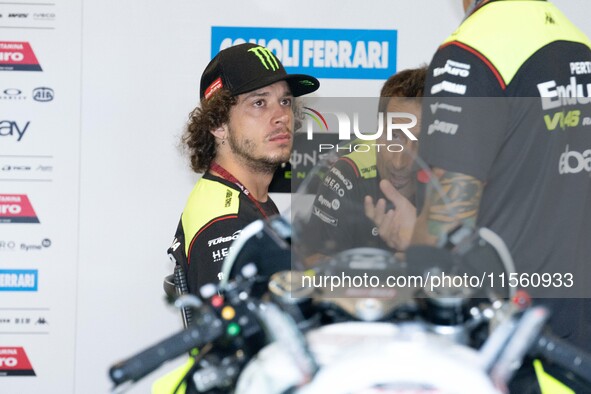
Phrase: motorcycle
pixel 272 329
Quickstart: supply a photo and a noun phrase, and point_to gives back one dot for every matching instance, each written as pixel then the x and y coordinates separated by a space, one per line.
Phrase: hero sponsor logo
pixel 18 56
pixel 348 184
pixel 16 208
pixel 7 245
pixel 10 128
pixel 334 204
pixel 454 68
pixel 11 245
pixel 573 162
pixel 14 362
pixel 444 127
pixel 334 185
pixel 220 254
pixel 449 87
pixel 325 217
pixel 220 240
pixel 554 95
pixel 444 106
pixel 324 53
pixel 18 280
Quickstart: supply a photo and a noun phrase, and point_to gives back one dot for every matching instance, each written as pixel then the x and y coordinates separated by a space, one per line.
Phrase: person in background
pixel 237 137
pixel 503 152
pixel 366 199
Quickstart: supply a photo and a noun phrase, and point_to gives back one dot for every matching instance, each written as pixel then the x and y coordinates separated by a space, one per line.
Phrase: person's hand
pixel 396 225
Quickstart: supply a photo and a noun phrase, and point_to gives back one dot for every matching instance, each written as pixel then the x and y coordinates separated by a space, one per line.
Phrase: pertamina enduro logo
pixel 14 362
pixel 18 56
pixel 323 53
pixel 16 208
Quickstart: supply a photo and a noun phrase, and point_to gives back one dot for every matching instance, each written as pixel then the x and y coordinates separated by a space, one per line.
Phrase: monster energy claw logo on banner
pixel 266 57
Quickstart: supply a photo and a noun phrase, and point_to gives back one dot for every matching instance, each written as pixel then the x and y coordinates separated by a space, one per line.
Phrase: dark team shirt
pixel 338 220
pixel 215 213
pixel 525 131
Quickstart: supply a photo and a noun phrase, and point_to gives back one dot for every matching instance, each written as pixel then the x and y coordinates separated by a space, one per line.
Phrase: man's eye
pixel 259 103
pixel 287 102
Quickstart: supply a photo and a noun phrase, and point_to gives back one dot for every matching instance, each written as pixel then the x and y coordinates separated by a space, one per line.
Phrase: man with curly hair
pixel 238 136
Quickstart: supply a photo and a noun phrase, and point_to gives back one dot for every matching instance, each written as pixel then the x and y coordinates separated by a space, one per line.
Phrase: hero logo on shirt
pixel 324 53
pixel 220 254
pixel 334 185
pixel 453 68
pixel 14 362
pixel 16 208
pixel 18 56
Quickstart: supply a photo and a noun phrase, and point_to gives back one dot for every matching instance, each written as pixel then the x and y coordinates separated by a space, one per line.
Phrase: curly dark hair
pixel 198 141
pixel 408 83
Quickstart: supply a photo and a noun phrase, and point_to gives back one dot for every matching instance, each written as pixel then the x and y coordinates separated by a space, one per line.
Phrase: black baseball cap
pixel 246 67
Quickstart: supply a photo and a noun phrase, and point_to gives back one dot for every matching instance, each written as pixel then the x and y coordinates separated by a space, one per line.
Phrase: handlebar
pixel 563 354
pixel 206 330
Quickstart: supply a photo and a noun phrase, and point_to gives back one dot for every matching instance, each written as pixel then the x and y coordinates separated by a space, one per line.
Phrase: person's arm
pixel 456 203
pixel 208 249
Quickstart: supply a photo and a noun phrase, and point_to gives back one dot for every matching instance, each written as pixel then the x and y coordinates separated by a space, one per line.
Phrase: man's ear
pixel 220 132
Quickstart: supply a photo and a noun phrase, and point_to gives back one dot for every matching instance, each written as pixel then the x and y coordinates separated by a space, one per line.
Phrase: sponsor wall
pixel 93 98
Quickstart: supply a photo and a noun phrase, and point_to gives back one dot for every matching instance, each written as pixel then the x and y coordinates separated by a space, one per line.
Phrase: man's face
pixel 260 129
pixel 398 167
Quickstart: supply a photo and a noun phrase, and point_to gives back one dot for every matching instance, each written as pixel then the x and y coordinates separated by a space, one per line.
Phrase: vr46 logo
pixel 562 119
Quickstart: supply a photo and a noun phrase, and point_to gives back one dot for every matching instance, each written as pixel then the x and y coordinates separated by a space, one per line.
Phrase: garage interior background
pixel 90 122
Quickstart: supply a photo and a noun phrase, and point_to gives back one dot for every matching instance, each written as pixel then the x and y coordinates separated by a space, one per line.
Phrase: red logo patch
pixel 17 56
pixel 14 362
pixel 217 84
pixel 16 208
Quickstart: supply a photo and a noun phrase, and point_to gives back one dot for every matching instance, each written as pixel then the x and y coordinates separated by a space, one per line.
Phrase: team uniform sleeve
pixel 464 112
pixel 208 249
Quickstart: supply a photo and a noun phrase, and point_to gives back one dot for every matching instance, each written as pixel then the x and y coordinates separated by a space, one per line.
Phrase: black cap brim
pixel 299 84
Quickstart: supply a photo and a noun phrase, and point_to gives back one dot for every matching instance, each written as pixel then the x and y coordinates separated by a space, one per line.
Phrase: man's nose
pixel 281 114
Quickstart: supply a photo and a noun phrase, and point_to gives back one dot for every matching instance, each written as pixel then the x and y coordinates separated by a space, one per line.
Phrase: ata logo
pixel 43 94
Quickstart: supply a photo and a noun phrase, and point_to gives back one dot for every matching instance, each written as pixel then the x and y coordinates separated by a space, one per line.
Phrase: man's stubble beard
pixel 243 150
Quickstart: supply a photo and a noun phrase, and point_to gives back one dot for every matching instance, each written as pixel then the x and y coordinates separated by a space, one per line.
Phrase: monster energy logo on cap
pixel 237 69
pixel 268 60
